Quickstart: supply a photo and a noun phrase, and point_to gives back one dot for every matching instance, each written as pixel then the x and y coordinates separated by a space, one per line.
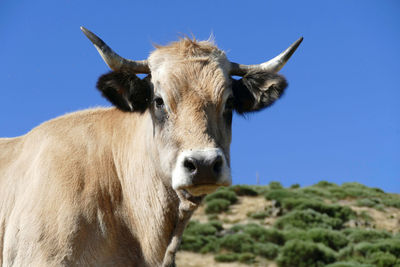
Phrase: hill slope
pixel 321 225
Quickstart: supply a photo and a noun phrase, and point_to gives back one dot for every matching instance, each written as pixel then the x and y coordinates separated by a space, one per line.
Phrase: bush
pixel 307 219
pixel 216 224
pixel 392 202
pixel 325 184
pixel 238 242
pixel 343 213
pixel 330 238
pixel 383 259
pixel 275 185
pixel 266 250
pixel 247 257
pixel 368 202
pixel 243 190
pixel 303 253
pixel 196 243
pixel 391 246
pixel 259 215
pixel 356 235
pixel 222 194
pixel 355 190
pixel 348 264
pixel 211 244
pixel 280 194
pixel 231 257
pixel 200 237
pixel 263 235
pixel 217 206
pixel 333 239
pixel 295 233
pixel 196 228
pixel 212 217
pixel 295 186
pixel 316 192
pixel 228 257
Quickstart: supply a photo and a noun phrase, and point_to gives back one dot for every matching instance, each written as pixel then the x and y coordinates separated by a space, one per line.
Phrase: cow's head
pixel 191 95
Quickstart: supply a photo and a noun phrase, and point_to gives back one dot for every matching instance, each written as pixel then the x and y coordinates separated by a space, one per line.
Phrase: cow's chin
pixel 200 190
pixel 203 189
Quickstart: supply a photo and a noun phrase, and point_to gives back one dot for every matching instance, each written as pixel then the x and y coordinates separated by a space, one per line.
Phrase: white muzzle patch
pixel 201 171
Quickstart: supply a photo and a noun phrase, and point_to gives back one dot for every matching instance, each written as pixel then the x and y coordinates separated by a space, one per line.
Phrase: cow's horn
pixel 113 60
pixel 273 65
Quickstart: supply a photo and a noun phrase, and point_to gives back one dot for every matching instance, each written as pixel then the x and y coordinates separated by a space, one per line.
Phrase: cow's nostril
pixel 217 165
pixel 190 165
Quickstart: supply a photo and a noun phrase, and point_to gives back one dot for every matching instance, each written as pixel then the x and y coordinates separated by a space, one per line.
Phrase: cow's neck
pixel 152 204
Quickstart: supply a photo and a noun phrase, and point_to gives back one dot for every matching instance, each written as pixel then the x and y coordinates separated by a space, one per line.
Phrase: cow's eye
pixel 159 103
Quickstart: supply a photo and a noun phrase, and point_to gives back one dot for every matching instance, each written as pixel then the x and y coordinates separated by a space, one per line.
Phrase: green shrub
pixel 343 213
pixel 355 190
pixel 222 194
pixel 364 215
pixel 316 192
pixel 259 215
pixel 305 254
pixel 348 264
pixel 295 186
pixel 196 243
pixel 386 245
pixel 333 239
pixel 228 257
pixel 275 185
pixel 325 184
pixel 266 250
pixel 383 259
pixel 392 202
pixel 211 244
pixel 247 257
pixel 295 233
pixel 237 228
pixel 196 228
pixel 330 238
pixel 356 235
pixel 217 206
pixel 200 237
pixel 217 224
pixel 212 217
pixel 307 219
pixel 280 194
pixel 237 242
pixel 368 202
pixel 347 252
pixel 243 190
pixel 263 235
pixel 391 245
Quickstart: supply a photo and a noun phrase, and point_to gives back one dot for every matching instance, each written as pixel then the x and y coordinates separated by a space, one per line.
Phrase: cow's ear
pixel 125 90
pixel 257 90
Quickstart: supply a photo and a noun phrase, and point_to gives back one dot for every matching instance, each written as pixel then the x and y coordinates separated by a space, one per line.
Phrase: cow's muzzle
pixel 201 171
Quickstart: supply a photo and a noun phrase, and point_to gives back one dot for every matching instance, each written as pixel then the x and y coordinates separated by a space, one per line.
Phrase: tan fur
pixel 93 188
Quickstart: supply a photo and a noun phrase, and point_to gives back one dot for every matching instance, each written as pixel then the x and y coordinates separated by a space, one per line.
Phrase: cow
pixel 116 186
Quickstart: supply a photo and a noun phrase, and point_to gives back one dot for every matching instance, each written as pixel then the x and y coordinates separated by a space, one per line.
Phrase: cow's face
pixel 190 96
pixel 192 114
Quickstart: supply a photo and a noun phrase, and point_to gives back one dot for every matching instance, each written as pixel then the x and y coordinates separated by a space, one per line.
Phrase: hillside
pixel 320 225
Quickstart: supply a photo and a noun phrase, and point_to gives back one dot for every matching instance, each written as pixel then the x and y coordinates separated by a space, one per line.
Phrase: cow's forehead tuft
pixel 186 50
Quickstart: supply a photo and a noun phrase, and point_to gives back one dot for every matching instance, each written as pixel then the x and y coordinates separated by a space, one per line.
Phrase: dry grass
pixel 190 259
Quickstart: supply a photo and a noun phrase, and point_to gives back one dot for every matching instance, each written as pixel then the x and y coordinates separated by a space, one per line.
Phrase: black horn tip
pixel 92 37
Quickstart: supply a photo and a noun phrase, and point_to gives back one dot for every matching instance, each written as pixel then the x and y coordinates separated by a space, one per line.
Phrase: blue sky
pixel 338 121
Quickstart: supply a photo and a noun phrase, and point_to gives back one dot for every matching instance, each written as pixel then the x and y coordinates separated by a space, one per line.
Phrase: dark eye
pixel 159 102
pixel 230 104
